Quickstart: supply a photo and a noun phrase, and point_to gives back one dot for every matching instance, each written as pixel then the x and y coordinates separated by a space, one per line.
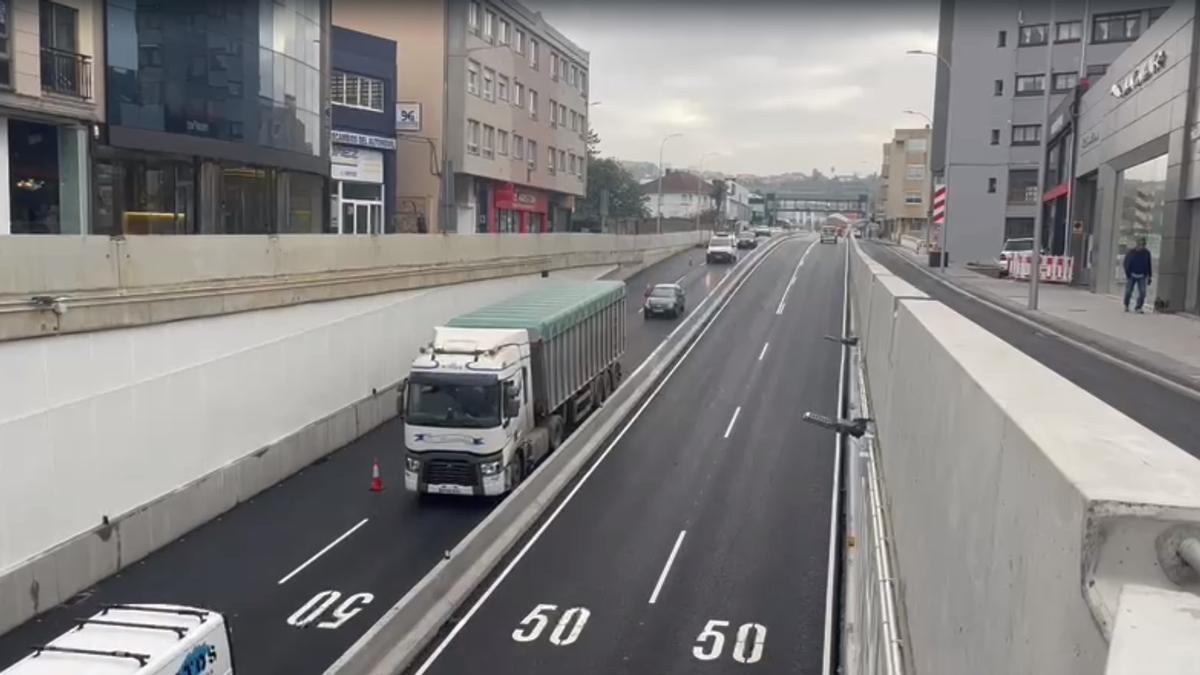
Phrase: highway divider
pixel 406 629
pixel 1037 529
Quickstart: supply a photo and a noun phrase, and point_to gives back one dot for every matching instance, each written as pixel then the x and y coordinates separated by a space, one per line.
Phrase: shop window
pixel 144 195
pixel 5 44
pixel 1141 206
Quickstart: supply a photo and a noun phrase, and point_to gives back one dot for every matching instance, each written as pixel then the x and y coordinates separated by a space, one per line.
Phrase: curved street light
pixel 699 182
pixel 661 148
pixel 944 230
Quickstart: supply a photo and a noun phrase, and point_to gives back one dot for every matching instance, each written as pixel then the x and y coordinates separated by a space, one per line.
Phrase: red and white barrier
pixel 1055 268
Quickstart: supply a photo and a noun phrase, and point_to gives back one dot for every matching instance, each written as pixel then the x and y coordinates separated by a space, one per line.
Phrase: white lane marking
pixel 583 481
pixel 792 281
pixel 764 351
pixel 667 568
pixel 680 279
pixel 732 420
pixel 323 551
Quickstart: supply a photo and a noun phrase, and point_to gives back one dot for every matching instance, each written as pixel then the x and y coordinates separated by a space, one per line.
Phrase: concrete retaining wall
pixel 160 428
pixel 1022 505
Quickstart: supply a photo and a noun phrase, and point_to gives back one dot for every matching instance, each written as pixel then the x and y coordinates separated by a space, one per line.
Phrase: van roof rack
pixel 142 659
pixel 184 611
pixel 179 631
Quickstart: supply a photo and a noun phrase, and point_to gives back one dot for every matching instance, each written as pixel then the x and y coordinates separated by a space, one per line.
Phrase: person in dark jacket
pixel 1138 273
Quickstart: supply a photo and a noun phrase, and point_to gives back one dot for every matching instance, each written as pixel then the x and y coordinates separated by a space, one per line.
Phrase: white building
pixel 684 195
pixel 737 202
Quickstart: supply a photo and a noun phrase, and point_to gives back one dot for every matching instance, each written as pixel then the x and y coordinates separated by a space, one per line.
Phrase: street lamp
pixel 661 147
pixel 918 113
pixel 699 182
pixel 944 230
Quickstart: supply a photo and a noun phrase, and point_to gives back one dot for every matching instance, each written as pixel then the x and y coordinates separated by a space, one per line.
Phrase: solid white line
pixel 792 281
pixel 764 351
pixel 323 551
pixel 667 568
pixel 680 279
pixel 582 481
pixel 732 420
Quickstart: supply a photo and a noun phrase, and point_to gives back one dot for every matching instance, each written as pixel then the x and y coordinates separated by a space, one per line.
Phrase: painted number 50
pixel 567 631
pixel 748 648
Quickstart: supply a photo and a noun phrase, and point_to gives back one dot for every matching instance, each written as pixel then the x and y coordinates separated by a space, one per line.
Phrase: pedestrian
pixel 1138 273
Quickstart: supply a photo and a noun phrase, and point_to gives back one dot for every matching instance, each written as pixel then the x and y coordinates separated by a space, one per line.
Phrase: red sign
pixel 509 197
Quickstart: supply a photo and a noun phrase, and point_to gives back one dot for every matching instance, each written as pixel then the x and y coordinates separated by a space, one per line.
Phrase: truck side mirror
pixel 402 398
pixel 512 405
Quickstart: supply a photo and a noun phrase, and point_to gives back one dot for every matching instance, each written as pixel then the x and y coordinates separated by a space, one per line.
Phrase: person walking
pixel 1138 273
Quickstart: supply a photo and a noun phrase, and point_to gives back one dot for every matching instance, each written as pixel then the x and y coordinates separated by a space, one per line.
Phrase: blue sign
pixel 197 662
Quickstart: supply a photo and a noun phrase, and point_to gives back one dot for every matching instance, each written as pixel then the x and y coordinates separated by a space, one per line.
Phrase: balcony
pixel 66 73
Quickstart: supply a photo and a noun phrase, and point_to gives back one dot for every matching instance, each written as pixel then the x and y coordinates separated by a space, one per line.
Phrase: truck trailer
pixel 498 389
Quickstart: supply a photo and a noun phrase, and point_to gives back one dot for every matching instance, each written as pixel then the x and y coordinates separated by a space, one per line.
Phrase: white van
pixel 136 640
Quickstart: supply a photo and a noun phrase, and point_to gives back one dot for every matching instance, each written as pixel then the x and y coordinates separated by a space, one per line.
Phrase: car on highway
pixel 762 231
pixel 747 240
pixel 665 300
pixel 829 234
pixel 1011 248
pixel 721 248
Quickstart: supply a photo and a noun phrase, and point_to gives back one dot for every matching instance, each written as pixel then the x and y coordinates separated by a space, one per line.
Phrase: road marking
pixel 680 279
pixel 792 281
pixel 736 411
pixel 667 568
pixel 437 651
pixel 764 351
pixel 323 551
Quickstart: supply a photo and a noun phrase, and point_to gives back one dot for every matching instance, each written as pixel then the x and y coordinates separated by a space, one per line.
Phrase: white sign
pixel 1140 75
pixel 356 164
pixel 408 117
pixel 364 140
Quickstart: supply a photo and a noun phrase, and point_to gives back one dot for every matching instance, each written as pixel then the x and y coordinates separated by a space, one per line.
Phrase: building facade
pixel 215 119
pixel 989 98
pixel 684 195
pixel 51 102
pixel 736 208
pixel 902 204
pixel 363 154
pixel 1138 169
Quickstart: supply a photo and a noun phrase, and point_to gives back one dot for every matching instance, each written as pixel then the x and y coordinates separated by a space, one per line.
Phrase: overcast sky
pixel 771 86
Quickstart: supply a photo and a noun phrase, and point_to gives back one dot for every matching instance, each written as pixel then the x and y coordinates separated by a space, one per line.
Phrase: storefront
pixel 46 166
pixel 1136 175
pixel 516 208
pixel 359 178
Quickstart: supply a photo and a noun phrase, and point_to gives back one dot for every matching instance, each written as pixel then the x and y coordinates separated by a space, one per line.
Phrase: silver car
pixel 665 300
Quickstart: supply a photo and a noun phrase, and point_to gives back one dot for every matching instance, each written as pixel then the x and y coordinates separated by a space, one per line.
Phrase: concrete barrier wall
pixel 1022 505
pixel 160 428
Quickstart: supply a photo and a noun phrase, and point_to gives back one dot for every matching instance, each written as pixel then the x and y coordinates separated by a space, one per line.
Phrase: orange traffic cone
pixel 376 481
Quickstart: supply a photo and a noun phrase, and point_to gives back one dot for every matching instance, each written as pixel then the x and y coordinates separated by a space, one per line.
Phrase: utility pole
pixel 1035 271
pixel 661 147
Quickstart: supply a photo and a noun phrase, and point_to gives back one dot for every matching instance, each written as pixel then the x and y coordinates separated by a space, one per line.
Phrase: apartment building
pixel 494 103
pixel 51 102
pixel 902 204
pixel 737 203
pixel 684 195
pixel 989 98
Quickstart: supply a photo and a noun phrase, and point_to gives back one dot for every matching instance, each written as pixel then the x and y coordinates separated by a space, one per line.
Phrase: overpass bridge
pixel 811 208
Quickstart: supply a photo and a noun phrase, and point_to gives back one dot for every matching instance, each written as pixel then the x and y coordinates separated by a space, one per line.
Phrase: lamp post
pixel 944 234
pixel 1035 267
pixel 699 182
pixel 662 147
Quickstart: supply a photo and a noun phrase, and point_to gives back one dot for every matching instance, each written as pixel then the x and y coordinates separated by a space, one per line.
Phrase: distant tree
pixel 592 141
pixel 719 191
pixel 624 192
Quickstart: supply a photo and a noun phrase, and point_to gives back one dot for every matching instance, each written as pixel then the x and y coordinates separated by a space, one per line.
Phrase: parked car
pixel 1011 248
pixel 665 300
pixel 747 240
pixel 721 248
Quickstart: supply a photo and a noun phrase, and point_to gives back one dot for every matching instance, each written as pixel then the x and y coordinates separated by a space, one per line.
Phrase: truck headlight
pixel 412 464
pixel 491 468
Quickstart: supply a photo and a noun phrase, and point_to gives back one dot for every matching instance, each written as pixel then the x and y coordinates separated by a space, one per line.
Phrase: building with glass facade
pixel 214 118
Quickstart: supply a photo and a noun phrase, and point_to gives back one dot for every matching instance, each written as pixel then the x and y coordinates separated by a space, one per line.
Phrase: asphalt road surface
pixel 318 549
pixel 1167 412
pixel 699 540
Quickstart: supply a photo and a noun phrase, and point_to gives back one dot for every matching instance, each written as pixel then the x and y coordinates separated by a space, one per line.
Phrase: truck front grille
pixel 449 472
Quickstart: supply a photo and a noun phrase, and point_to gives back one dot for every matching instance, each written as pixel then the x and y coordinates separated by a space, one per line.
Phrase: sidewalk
pixel 1166 344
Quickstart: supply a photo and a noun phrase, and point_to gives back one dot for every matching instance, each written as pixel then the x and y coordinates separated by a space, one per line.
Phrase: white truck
pixel 498 389
pixel 136 640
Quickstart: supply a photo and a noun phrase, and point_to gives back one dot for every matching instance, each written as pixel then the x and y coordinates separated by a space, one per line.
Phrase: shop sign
pixel 408 117
pixel 1089 139
pixel 509 197
pixel 362 140
pixel 358 165
pixel 1140 75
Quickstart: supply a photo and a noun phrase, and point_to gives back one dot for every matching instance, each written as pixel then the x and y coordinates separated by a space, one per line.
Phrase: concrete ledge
pixel 1155 633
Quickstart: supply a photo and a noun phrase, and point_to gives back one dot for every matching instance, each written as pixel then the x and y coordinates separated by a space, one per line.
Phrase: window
pixel 1022 186
pixel 1002 39
pixel 356 91
pixel 489 84
pixel 533 104
pixel 562 159
pixel 573 76
pixel 473 17
pixel 1116 27
pixel 518 146
pixel 914 172
pixel 502 87
pixel 505 31
pixel 519 95
pixel 1028 85
pixel 1097 71
pixel 553 113
pixel 1064 81
pixel 62 69
pixel 519 43
pixel 473 77
pixel 1153 15
pixel 5 46
pixel 917 145
pixel 998 88
pixel 489 26
pixel 562 114
pixel 574 121
pixel 502 143
pixel 995 137
pixel 554 65
pixel 583 83
pixel 1032 35
pixel 489 141
pixel 1026 134
pixel 1018 228
pixel 473 137
pixel 912 198
pixel 531 154
pixel 1068 31
pixel 533 53
pixel 550 156
pixel 991 185
pixel 571 163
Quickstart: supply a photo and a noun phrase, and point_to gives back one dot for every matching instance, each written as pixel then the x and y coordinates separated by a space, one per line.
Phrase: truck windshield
pixel 446 404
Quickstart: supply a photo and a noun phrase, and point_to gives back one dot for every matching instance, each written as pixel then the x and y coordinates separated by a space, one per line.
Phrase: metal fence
pixel 66 73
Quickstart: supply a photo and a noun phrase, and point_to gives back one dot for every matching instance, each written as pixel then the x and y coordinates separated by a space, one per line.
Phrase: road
pixel 699 540
pixel 1167 412
pixel 320 545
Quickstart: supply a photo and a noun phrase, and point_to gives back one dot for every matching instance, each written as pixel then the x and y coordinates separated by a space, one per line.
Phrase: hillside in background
pixel 814 181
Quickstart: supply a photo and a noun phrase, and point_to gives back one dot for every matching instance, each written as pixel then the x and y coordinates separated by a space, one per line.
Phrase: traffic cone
pixel 376 481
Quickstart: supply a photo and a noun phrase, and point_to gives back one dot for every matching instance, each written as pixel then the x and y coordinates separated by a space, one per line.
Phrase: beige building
pixel 902 204
pixel 503 101
pixel 51 100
